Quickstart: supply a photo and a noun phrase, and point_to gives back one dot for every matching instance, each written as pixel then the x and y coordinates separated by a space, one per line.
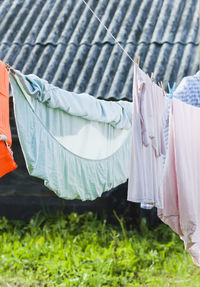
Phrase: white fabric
pixel 148 147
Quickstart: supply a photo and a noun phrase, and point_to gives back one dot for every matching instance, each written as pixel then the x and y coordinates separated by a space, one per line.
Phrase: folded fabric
pixel 181 177
pixel 78 145
pixel 7 163
pixel 118 114
pixel 148 146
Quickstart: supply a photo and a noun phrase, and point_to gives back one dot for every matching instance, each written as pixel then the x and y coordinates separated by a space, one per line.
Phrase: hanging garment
pixel 181 178
pixel 7 163
pixel 188 90
pixel 149 113
pixel 78 145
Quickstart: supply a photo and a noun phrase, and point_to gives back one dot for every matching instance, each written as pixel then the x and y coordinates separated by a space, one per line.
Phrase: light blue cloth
pixel 55 128
pixel 188 91
pixel 118 114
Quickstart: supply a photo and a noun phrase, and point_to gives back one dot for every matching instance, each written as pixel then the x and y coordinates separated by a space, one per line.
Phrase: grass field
pixel 80 250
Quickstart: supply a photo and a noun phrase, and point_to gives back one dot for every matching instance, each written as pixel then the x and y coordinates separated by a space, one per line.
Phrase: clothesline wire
pixel 118 43
pixel 110 33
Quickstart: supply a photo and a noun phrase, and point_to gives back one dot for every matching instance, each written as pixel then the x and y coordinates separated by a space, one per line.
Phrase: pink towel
pixel 181 183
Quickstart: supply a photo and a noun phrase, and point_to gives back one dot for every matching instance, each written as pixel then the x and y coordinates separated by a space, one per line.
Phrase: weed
pixel 80 250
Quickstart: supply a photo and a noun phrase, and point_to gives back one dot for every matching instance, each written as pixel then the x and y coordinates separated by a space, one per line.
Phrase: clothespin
pixel 9 68
pixel 171 90
pixel 137 61
pixel 3 138
pixel 160 84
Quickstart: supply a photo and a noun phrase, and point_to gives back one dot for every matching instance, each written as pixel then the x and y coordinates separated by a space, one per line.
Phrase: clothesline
pixel 118 43
pixel 74 170
pixel 110 33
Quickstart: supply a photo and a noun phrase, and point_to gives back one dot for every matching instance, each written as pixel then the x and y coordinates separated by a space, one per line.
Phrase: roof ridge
pixel 49 43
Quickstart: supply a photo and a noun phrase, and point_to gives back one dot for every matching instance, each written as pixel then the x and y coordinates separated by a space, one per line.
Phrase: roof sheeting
pixel 62 42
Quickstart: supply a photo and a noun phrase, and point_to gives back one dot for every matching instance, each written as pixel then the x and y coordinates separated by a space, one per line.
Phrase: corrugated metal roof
pixel 61 41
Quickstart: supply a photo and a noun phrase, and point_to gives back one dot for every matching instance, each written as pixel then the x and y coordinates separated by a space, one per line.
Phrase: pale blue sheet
pixel 78 145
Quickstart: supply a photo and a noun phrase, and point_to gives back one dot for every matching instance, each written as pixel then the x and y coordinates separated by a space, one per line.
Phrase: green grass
pixel 80 250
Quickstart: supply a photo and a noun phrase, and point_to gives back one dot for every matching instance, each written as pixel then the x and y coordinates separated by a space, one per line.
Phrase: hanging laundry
pixel 78 145
pixel 148 147
pixel 188 90
pixel 7 163
pixel 181 179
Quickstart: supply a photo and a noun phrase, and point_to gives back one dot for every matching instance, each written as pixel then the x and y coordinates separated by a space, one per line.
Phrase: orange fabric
pixel 7 163
pixel 4 104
